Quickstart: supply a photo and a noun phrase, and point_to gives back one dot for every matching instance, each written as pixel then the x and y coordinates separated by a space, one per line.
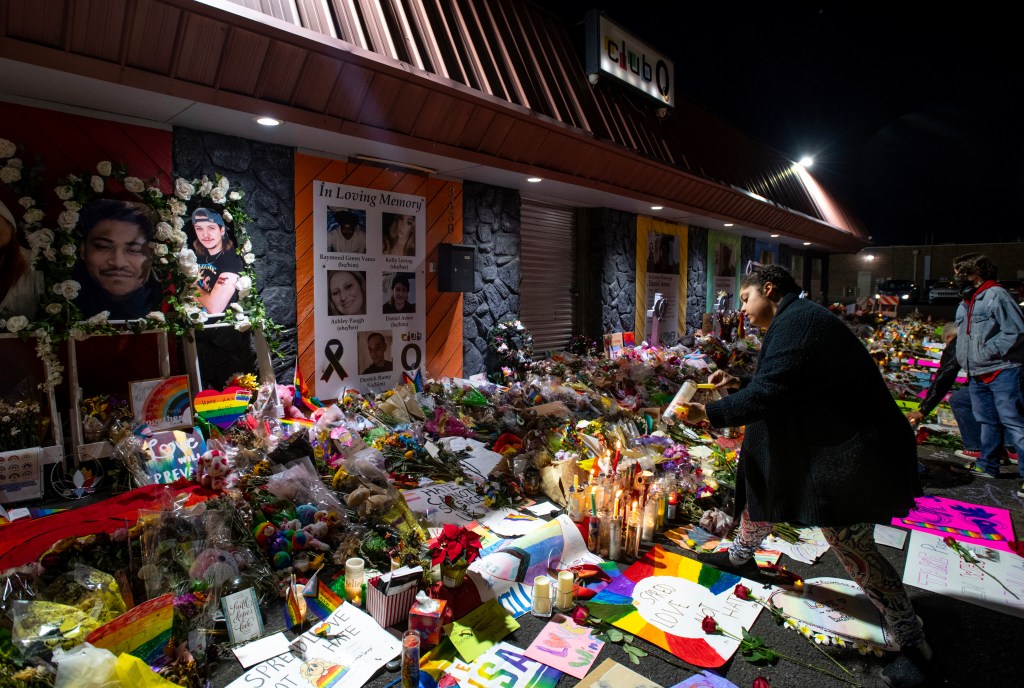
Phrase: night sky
pixel 907 113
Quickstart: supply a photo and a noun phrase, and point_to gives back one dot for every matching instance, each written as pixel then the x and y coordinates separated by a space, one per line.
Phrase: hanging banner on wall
pixel 723 270
pixel 370 302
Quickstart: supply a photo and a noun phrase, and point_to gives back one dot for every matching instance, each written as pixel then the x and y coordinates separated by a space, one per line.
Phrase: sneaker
pixel 1020 490
pixel 967 454
pixel 910 668
pixel 973 470
pixel 1012 456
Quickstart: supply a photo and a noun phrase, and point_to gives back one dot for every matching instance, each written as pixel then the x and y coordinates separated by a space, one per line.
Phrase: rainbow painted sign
pixel 988 526
pixel 143 631
pixel 663 598
pixel 223 408
pixel 162 404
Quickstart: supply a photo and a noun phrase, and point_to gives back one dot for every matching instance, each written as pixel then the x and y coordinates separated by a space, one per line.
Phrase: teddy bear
pixel 216 566
pixel 286 396
pixel 213 470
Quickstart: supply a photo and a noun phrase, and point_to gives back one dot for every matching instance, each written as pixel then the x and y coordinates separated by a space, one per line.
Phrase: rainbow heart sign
pixel 222 408
pixel 663 598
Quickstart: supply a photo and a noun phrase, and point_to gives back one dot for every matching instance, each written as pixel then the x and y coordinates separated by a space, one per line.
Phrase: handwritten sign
pixel 172 455
pixel 932 565
pixel 350 650
pixel 504 666
pixel 835 606
pixel 163 403
pixel 479 630
pixel 566 646
pixel 447 503
pixel 242 613
pixel 987 526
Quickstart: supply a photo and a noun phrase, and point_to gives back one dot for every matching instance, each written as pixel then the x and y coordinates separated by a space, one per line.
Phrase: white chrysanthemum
pixel 16 323
pixel 183 189
pixel 134 185
pixel 104 167
pixel 96 182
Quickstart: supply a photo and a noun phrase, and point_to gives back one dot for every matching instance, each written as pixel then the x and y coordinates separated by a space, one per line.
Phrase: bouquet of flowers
pixel 512 343
pixel 21 426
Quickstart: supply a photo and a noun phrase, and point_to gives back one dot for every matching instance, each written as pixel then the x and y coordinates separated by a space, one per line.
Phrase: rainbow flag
pixel 416 382
pixel 303 396
pixel 320 599
pixel 294 605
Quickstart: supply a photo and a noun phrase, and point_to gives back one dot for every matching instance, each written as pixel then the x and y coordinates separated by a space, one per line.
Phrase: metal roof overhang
pixel 213 65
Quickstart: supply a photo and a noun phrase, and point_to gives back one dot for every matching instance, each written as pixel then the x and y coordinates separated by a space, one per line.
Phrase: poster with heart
pixel 566 646
pixel 172 454
pixel 222 408
pixel 836 607
pixel 663 597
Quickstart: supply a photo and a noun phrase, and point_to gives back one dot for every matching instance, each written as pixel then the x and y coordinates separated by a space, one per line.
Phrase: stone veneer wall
pixel 612 282
pixel 491 223
pixel 696 277
pixel 266 173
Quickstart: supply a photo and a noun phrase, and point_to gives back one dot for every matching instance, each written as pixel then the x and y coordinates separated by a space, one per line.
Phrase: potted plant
pixel 455 549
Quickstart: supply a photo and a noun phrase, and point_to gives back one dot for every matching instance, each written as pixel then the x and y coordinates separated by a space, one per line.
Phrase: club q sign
pixel 614 51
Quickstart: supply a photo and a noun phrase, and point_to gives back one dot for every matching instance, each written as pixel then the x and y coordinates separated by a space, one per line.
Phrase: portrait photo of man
pixel 115 262
pixel 346 230
pixel 373 353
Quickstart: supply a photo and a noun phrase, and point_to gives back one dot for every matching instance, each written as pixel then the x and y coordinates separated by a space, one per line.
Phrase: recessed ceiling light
pixel 657 207
pixel 807 243
pixel 533 180
pixel 268 121
pixel 774 236
pixel 807 161
pixel 727 224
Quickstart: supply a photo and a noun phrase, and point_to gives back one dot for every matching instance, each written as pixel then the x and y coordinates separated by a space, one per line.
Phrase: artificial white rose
pixel 69 289
pixel 247 246
pixel 41 238
pixel 183 189
pixel 156 315
pixel 34 216
pixel 190 271
pixel 178 223
pixel 16 163
pixel 104 167
pixel 249 258
pixel 98 319
pixel 7 148
pixel 223 184
pixel 65 193
pixel 159 249
pixel 17 323
pixel 218 196
pixel 166 215
pixel 68 219
pixel 96 182
pixel 179 237
pixel 163 231
pixel 177 207
pixel 9 175
pixel 237 308
pixel 205 186
pixel 243 325
pixel 155 192
pixel 54 308
pixel 244 283
pixel 227 216
pixel 77 333
pixel 68 249
pixel 235 196
pixel 134 184
pixel 72 205
pixel 50 254
pixel 26 202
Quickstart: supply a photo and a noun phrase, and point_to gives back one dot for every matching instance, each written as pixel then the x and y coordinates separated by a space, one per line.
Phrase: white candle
pixel 541 596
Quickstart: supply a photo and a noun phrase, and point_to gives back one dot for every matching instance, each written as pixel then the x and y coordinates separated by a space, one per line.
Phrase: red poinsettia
pixel 455 543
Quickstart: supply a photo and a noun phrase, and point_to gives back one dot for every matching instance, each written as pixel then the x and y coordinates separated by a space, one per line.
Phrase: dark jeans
pixel 998 407
pixel 970 429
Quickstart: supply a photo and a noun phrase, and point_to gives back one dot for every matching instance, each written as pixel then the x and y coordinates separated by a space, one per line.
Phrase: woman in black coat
pixel 825 446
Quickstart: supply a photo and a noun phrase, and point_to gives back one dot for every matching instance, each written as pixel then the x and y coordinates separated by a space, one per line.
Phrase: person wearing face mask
pixel 990 349
pixel 804 462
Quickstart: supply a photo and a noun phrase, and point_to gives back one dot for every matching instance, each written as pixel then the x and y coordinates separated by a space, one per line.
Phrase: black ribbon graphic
pixel 333 352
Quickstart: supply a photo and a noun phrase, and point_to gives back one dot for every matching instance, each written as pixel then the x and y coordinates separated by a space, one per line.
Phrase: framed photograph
pixel 162 403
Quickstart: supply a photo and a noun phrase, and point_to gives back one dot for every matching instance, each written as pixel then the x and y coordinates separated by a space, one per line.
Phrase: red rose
pixel 761 682
pixel 709 625
pixel 580 615
pixel 741 591
pixel 950 542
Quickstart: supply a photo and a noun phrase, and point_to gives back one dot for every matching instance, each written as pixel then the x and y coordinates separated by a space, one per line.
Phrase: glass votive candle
pixel 542 596
pixel 565 596
pixel 411 659
pixel 354 575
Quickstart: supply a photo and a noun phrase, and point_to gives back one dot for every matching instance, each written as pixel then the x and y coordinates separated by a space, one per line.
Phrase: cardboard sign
pixel 447 503
pixel 242 614
pixel 223 408
pixel 478 631
pixel 172 454
pixel 835 606
pixel 163 403
pixel 566 646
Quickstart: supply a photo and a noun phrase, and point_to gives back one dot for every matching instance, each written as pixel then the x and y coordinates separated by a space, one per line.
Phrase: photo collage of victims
pixel 371 292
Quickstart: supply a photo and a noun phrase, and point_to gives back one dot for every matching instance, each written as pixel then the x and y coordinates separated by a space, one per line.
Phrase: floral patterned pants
pixel 855 546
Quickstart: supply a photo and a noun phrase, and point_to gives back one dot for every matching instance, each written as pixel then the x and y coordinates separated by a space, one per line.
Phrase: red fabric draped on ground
pixel 23 541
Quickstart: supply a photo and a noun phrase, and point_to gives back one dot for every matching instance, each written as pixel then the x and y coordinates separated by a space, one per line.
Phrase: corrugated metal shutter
pixel 547 291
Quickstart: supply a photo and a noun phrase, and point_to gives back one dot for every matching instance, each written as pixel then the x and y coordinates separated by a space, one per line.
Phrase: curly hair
pixel 975 264
pixel 775 274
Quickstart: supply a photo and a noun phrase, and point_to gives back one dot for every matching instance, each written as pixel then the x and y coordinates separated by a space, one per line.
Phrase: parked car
pixel 1016 289
pixel 905 289
pixel 943 291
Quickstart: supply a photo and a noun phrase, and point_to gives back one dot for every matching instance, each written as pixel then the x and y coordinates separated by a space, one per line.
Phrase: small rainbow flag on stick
pixel 294 605
pixel 303 396
pixel 320 599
